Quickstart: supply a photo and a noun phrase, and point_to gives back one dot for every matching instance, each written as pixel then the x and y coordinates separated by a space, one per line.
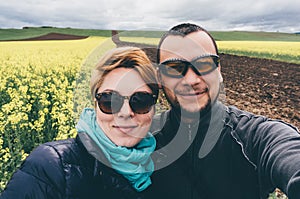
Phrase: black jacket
pixel 66 170
pixel 250 157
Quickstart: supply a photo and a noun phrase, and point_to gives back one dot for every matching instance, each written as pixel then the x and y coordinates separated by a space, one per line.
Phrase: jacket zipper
pixel 190 132
pixel 192 156
pixel 191 159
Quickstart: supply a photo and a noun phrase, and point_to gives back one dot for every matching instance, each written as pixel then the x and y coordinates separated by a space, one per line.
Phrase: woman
pixel 110 157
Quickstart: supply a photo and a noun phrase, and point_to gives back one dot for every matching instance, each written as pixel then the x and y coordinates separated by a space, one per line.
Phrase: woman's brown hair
pixel 126 57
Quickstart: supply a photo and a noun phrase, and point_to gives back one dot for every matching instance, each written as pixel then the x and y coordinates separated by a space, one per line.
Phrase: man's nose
pixel 191 78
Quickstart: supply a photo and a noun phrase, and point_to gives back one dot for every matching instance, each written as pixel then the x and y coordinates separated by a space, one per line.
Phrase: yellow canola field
pixel 36 89
pixel 282 51
pixel 45 55
pixel 39 68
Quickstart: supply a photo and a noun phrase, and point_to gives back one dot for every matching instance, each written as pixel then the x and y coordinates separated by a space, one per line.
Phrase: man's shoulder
pixel 234 111
pixel 247 124
pixel 236 116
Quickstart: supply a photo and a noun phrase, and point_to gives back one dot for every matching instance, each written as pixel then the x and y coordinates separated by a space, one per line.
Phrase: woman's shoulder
pixel 54 149
pixel 49 159
pixel 43 171
pixel 59 153
pixel 49 155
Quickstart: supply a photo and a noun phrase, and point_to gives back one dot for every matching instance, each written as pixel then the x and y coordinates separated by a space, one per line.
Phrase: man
pixel 206 149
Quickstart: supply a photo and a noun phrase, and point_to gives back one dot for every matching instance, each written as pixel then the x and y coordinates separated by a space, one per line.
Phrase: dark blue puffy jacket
pixel 66 170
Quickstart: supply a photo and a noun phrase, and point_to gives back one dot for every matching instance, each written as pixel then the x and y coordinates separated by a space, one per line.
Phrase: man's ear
pixel 159 79
pixel 220 74
pixel 220 77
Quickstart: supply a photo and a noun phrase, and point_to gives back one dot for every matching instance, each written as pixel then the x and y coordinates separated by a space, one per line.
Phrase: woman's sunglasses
pixel 177 68
pixel 111 102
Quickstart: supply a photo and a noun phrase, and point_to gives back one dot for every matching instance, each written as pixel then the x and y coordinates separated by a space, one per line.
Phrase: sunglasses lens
pixel 205 65
pixel 177 68
pixel 141 102
pixel 110 102
pixel 173 68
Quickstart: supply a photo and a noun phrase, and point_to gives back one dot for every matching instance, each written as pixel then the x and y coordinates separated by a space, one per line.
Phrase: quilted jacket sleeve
pixel 274 148
pixel 41 176
pixel 278 147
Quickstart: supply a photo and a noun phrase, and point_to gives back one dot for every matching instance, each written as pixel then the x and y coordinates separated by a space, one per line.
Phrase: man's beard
pixel 187 113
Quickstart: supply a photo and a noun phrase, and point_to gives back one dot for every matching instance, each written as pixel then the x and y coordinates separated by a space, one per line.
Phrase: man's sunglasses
pixel 201 65
pixel 111 102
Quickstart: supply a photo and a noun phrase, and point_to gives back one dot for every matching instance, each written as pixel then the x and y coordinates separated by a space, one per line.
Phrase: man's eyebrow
pixel 204 55
pixel 175 59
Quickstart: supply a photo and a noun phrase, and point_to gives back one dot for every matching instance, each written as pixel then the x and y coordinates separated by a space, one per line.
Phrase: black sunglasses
pixel 111 102
pixel 201 65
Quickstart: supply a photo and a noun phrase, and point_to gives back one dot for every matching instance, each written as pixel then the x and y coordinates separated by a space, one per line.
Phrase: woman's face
pixel 124 128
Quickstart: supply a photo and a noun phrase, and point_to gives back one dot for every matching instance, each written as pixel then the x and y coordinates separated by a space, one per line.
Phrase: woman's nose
pixel 125 110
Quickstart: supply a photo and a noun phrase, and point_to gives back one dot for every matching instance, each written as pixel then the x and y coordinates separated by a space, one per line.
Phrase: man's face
pixel 191 92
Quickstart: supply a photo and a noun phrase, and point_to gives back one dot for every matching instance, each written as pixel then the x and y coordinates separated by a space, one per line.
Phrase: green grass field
pixel 255 36
pixel 14 34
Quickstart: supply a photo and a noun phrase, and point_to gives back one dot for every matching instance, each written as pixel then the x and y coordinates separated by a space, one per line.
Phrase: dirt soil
pixel 262 86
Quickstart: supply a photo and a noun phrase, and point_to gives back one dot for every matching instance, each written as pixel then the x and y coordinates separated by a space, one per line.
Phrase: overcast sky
pixel 263 15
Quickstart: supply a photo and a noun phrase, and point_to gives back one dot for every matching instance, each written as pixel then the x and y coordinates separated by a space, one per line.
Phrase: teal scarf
pixel 135 164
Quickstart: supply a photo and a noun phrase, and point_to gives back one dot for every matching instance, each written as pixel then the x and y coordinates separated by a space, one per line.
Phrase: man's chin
pixel 195 108
pixel 192 111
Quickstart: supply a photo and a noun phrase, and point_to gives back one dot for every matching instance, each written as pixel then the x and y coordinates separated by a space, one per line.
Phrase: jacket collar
pixel 208 125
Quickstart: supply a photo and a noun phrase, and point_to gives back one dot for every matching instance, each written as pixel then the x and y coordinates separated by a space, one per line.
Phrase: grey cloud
pixel 269 15
pixel 276 21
